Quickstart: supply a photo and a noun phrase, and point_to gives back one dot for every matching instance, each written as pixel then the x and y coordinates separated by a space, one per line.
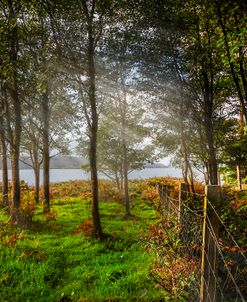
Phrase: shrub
pixel 86 228
pixel 27 206
pixel 150 195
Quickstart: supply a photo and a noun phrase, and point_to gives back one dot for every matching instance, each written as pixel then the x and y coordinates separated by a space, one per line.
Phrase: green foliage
pixel 51 261
pixel 234 216
pixel 235 151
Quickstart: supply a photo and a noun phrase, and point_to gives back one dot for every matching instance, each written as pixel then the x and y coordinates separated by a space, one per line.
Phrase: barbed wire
pixel 213 235
pixel 234 241
pixel 189 232
pixel 193 193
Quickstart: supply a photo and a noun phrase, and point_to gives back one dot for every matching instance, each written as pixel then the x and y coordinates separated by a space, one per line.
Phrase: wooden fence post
pixel 171 200
pixel 183 196
pixel 209 263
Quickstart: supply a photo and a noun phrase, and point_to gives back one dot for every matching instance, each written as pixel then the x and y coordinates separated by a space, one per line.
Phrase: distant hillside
pixel 70 162
pixel 156 165
pixel 67 162
pixel 58 162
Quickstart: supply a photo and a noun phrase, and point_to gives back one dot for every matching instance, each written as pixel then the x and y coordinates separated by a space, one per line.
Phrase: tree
pixel 192 61
pixel 3 141
pixel 121 139
pixel 125 125
pixel 10 73
pixel 232 19
pixel 77 38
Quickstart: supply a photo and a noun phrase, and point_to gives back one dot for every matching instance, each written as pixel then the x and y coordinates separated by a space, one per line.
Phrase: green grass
pixel 49 261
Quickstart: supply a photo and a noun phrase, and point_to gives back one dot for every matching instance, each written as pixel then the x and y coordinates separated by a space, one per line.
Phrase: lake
pixel 58 175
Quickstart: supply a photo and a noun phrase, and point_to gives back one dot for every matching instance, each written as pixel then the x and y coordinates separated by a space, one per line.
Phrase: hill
pixel 59 162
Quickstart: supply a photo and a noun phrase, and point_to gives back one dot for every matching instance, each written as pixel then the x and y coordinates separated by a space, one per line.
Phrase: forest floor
pixel 57 261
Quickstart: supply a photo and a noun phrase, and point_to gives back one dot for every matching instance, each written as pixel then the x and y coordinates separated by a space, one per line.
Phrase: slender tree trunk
pixel 94 181
pixel 243 75
pixel 126 181
pixel 206 173
pixel 213 167
pixel 5 182
pixel 117 182
pixel 46 154
pixel 191 178
pixel 184 153
pixel 241 120
pixel 37 184
pixel 16 190
pixel 93 135
pixel 125 158
pixel 36 169
pixel 14 132
pixel 121 179
pixel 208 125
pixel 15 154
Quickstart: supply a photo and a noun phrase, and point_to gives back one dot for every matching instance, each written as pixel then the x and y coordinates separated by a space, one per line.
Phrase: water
pixel 58 175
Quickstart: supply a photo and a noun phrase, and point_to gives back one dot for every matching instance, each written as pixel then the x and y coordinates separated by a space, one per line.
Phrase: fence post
pixel 209 263
pixel 170 199
pixel 183 196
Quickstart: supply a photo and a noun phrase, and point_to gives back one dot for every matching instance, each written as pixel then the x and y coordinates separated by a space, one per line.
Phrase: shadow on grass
pixel 55 227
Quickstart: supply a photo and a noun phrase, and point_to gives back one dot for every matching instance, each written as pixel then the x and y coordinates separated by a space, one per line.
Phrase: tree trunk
pixel 36 169
pixel 118 182
pixel 241 121
pixel 46 154
pixel 208 126
pixel 183 151
pixel 15 154
pixel 213 167
pixel 14 132
pixel 5 182
pixel 126 181
pixel 37 184
pixel 125 157
pixel 191 178
pixel 121 179
pixel 16 190
pixel 97 230
pixel 206 173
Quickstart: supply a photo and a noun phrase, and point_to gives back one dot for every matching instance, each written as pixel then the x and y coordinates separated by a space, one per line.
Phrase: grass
pixel 50 262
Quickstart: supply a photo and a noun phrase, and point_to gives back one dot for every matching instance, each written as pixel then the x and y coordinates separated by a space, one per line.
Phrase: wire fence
pixel 198 259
